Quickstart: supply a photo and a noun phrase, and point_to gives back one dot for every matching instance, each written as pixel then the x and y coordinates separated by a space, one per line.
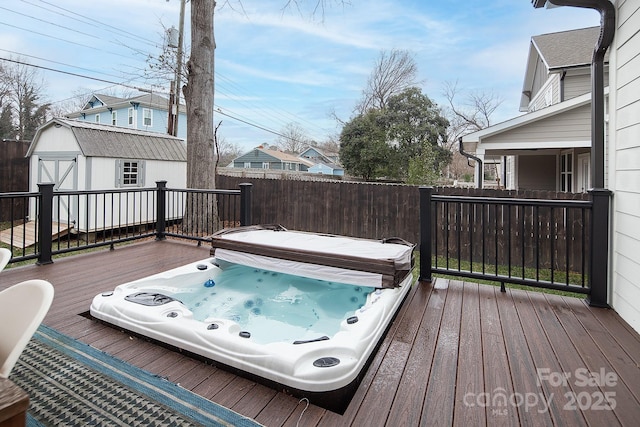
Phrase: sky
pixel 275 66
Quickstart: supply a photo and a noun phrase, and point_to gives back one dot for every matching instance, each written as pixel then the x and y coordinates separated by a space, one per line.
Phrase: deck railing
pixel 555 244
pixel 51 222
pixel 551 244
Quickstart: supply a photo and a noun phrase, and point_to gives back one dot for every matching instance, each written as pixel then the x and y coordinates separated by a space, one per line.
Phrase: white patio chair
pixel 22 309
pixel 5 257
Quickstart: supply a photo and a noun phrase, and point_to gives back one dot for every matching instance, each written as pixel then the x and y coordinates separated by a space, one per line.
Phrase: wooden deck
pixel 25 235
pixel 457 354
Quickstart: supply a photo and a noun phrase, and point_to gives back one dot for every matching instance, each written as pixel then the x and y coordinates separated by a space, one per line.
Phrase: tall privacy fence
pixel 367 210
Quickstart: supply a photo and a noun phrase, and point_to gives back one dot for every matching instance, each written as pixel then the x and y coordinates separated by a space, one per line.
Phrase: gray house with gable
pixel 549 147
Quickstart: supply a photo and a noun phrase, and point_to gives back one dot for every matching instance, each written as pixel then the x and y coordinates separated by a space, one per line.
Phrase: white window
pixel 566 171
pixel 130 173
pixel 114 118
pixel 147 117
pixel 132 118
pixel 247 165
pixel 265 165
pixel 97 118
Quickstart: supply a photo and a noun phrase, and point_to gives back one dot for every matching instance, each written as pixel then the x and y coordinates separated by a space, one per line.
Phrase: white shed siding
pixel 624 157
pixel 78 156
pixel 59 139
pixel 103 177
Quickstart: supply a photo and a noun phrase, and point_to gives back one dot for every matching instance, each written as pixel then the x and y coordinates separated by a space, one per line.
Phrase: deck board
pixel 521 364
pixel 438 409
pixel 470 378
pixel 544 356
pixel 407 406
pixel 25 235
pixel 450 340
pixel 496 364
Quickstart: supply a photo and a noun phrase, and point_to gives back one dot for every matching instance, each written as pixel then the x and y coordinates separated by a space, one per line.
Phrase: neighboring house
pixel 263 157
pixel 327 169
pixel 148 112
pixel 76 155
pixel 621 158
pixel 549 147
pixel 317 155
pixel 325 163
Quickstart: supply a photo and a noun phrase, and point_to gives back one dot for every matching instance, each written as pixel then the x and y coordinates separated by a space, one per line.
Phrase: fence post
pixel 45 226
pixel 245 203
pixel 599 265
pixel 425 233
pixel 161 204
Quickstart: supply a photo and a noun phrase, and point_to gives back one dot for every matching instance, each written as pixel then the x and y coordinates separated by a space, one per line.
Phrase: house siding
pixel 256 158
pixel 159 115
pixel 573 125
pixel 537 173
pixel 548 94
pixel 624 158
pixel 540 77
pixel 577 85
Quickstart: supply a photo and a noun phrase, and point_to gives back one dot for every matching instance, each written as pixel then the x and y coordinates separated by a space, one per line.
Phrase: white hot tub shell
pixel 323 365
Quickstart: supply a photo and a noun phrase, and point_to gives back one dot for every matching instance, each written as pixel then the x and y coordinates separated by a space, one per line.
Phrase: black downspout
pixel 472 157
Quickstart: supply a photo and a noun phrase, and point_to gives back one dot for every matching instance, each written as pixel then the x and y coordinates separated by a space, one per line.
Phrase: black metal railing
pixel 541 243
pixel 40 225
pixel 15 231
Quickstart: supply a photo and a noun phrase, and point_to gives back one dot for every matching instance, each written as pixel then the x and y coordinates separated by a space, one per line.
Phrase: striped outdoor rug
pixel 73 384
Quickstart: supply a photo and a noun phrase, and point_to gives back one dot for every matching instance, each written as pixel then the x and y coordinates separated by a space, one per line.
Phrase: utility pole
pixel 174 92
pixel 178 77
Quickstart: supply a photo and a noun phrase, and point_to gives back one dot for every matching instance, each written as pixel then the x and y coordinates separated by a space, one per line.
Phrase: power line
pixel 119 30
pixel 76 75
pixel 55 62
pixel 232 87
pixel 50 23
pixel 218 109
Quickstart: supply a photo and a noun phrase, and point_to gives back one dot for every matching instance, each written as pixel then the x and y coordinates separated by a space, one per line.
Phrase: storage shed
pixel 76 155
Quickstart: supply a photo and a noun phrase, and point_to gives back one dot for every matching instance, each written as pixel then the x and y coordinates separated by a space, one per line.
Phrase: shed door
pixel 62 171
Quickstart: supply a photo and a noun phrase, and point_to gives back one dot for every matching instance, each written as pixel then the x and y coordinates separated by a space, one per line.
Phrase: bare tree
pixel 471 114
pixel 23 89
pixel 76 101
pixel 199 97
pixel 293 138
pixel 393 72
pixel 330 145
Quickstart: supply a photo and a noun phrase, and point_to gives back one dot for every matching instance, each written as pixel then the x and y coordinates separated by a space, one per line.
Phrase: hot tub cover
pixel 345 259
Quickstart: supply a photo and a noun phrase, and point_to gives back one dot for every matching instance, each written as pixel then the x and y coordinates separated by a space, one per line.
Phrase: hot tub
pixel 302 310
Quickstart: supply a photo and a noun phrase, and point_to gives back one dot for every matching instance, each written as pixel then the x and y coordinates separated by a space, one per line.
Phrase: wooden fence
pixel 377 211
pixel 14 177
